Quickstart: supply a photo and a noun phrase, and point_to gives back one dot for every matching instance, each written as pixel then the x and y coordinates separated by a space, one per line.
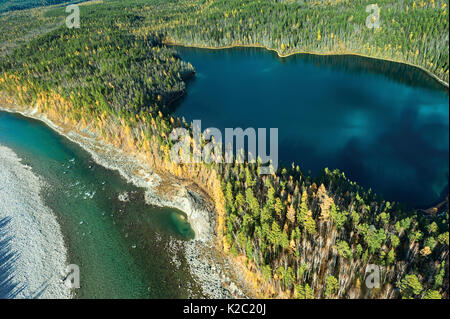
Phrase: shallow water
pixel 122 248
pixel 385 125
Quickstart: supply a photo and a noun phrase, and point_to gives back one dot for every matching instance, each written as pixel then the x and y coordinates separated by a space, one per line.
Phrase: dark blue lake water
pixel 385 125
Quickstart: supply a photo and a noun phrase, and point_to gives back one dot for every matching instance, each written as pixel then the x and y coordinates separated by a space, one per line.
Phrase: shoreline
pixel 213 278
pixel 299 52
pixel 35 254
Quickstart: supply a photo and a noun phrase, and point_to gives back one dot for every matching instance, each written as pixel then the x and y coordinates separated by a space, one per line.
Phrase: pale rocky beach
pixel 36 256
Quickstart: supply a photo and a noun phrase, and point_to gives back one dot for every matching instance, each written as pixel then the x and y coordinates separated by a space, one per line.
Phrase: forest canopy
pixel 300 236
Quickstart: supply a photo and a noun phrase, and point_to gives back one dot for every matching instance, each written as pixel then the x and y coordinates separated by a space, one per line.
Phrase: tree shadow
pixel 9 288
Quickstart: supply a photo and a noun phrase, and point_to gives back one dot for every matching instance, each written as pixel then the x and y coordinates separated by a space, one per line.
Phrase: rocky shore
pixel 33 259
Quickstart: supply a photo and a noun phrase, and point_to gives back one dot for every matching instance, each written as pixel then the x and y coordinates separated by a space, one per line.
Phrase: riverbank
pixel 36 255
pixel 285 55
pixel 163 189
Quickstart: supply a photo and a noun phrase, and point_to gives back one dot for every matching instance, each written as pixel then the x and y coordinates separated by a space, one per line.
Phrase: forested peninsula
pixel 299 236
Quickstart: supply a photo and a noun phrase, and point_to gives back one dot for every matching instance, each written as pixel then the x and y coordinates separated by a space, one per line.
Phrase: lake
pixel 384 124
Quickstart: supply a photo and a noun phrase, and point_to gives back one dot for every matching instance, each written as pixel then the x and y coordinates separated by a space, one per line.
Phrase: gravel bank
pixel 32 233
